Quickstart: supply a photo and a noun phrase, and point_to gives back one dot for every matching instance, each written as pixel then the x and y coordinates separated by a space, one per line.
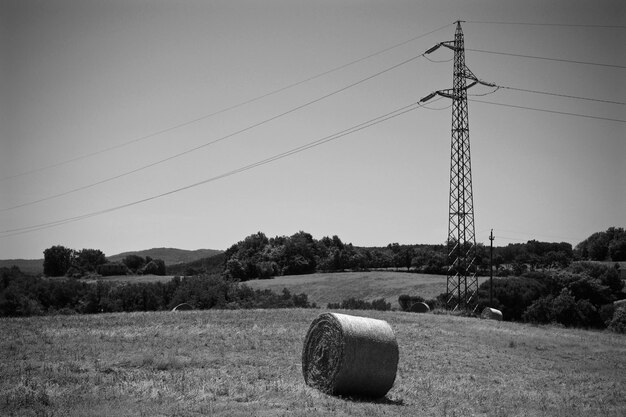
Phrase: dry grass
pixel 324 288
pixel 132 278
pixel 226 363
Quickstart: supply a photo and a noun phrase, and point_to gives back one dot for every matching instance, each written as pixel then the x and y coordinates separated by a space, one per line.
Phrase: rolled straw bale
pixel 182 306
pixel 420 308
pixel 491 314
pixel 350 355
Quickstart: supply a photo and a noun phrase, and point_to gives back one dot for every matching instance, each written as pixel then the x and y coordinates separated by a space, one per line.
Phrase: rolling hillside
pixel 28 266
pixel 170 256
pixel 327 288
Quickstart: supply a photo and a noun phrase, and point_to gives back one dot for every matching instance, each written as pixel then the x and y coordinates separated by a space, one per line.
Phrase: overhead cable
pixel 548 59
pixel 562 95
pixel 224 110
pixel 395 113
pixel 548 24
pixel 550 111
pixel 206 144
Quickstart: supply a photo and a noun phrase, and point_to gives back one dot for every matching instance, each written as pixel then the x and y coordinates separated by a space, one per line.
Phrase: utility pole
pixel 462 283
pixel 491 238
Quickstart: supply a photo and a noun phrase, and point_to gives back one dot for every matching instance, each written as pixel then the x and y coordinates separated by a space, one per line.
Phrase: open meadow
pixel 248 362
pixel 324 288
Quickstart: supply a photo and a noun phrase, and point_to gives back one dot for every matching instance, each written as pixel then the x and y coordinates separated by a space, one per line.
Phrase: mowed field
pixel 248 363
pixel 335 287
pixel 132 278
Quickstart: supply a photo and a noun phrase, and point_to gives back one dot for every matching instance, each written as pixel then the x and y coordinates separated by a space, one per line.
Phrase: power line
pixel 204 145
pixel 395 113
pixel 224 110
pixel 539 235
pixel 438 61
pixel 548 59
pixel 550 111
pixel 547 24
pixel 562 95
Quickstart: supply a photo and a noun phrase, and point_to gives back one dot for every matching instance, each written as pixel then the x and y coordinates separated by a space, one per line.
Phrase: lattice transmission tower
pixel 462 283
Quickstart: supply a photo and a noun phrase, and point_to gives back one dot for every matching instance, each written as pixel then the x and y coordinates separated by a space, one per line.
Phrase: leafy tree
pixel 234 269
pixel 267 269
pixel 300 254
pixel 89 259
pixel 57 260
pixel 599 247
pixel 134 262
pixel 607 275
pixel 563 309
pixel 602 245
pixel 402 255
pixel 540 311
pixel 154 267
pixel 617 250
pixel 513 295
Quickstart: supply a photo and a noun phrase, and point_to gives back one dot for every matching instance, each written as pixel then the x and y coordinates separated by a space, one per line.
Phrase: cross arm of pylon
pixel 464 73
pixel 449 93
pixel 467 74
pixel 447 44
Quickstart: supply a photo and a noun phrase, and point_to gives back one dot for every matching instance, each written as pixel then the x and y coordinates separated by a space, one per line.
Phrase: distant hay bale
pixel 491 314
pixel 349 355
pixel 419 308
pixel 182 307
pixel 619 303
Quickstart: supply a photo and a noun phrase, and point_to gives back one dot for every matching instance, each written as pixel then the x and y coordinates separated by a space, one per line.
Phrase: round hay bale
pixel 491 314
pixel 182 307
pixel 419 308
pixel 619 303
pixel 350 355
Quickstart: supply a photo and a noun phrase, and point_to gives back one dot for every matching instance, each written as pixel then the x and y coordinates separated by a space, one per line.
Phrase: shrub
pixel 513 295
pixel 358 304
pixel 112 268
pixel 563 309
pixel 540 311
pixel 606 313
pixel 618 322
pixel 406 301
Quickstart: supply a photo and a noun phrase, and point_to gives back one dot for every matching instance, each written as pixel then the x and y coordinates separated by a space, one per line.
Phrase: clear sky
pixel 78 77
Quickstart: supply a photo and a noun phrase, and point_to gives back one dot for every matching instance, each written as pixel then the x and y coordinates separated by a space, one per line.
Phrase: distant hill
pixel 209 265
pixel 28 266
pixel 170 256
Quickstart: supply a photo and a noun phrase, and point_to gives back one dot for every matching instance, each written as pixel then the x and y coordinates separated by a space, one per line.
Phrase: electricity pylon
pixel 462 283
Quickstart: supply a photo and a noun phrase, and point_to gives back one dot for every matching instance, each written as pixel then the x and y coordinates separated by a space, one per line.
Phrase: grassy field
pixel 131 278
pixel 336 287
pixel 247 362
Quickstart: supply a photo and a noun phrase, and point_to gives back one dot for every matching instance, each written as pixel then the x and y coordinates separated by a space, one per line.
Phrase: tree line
pixel 61 261
pixel 24 295
pixel 609 245
pixel 581 295
pixel 260 257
